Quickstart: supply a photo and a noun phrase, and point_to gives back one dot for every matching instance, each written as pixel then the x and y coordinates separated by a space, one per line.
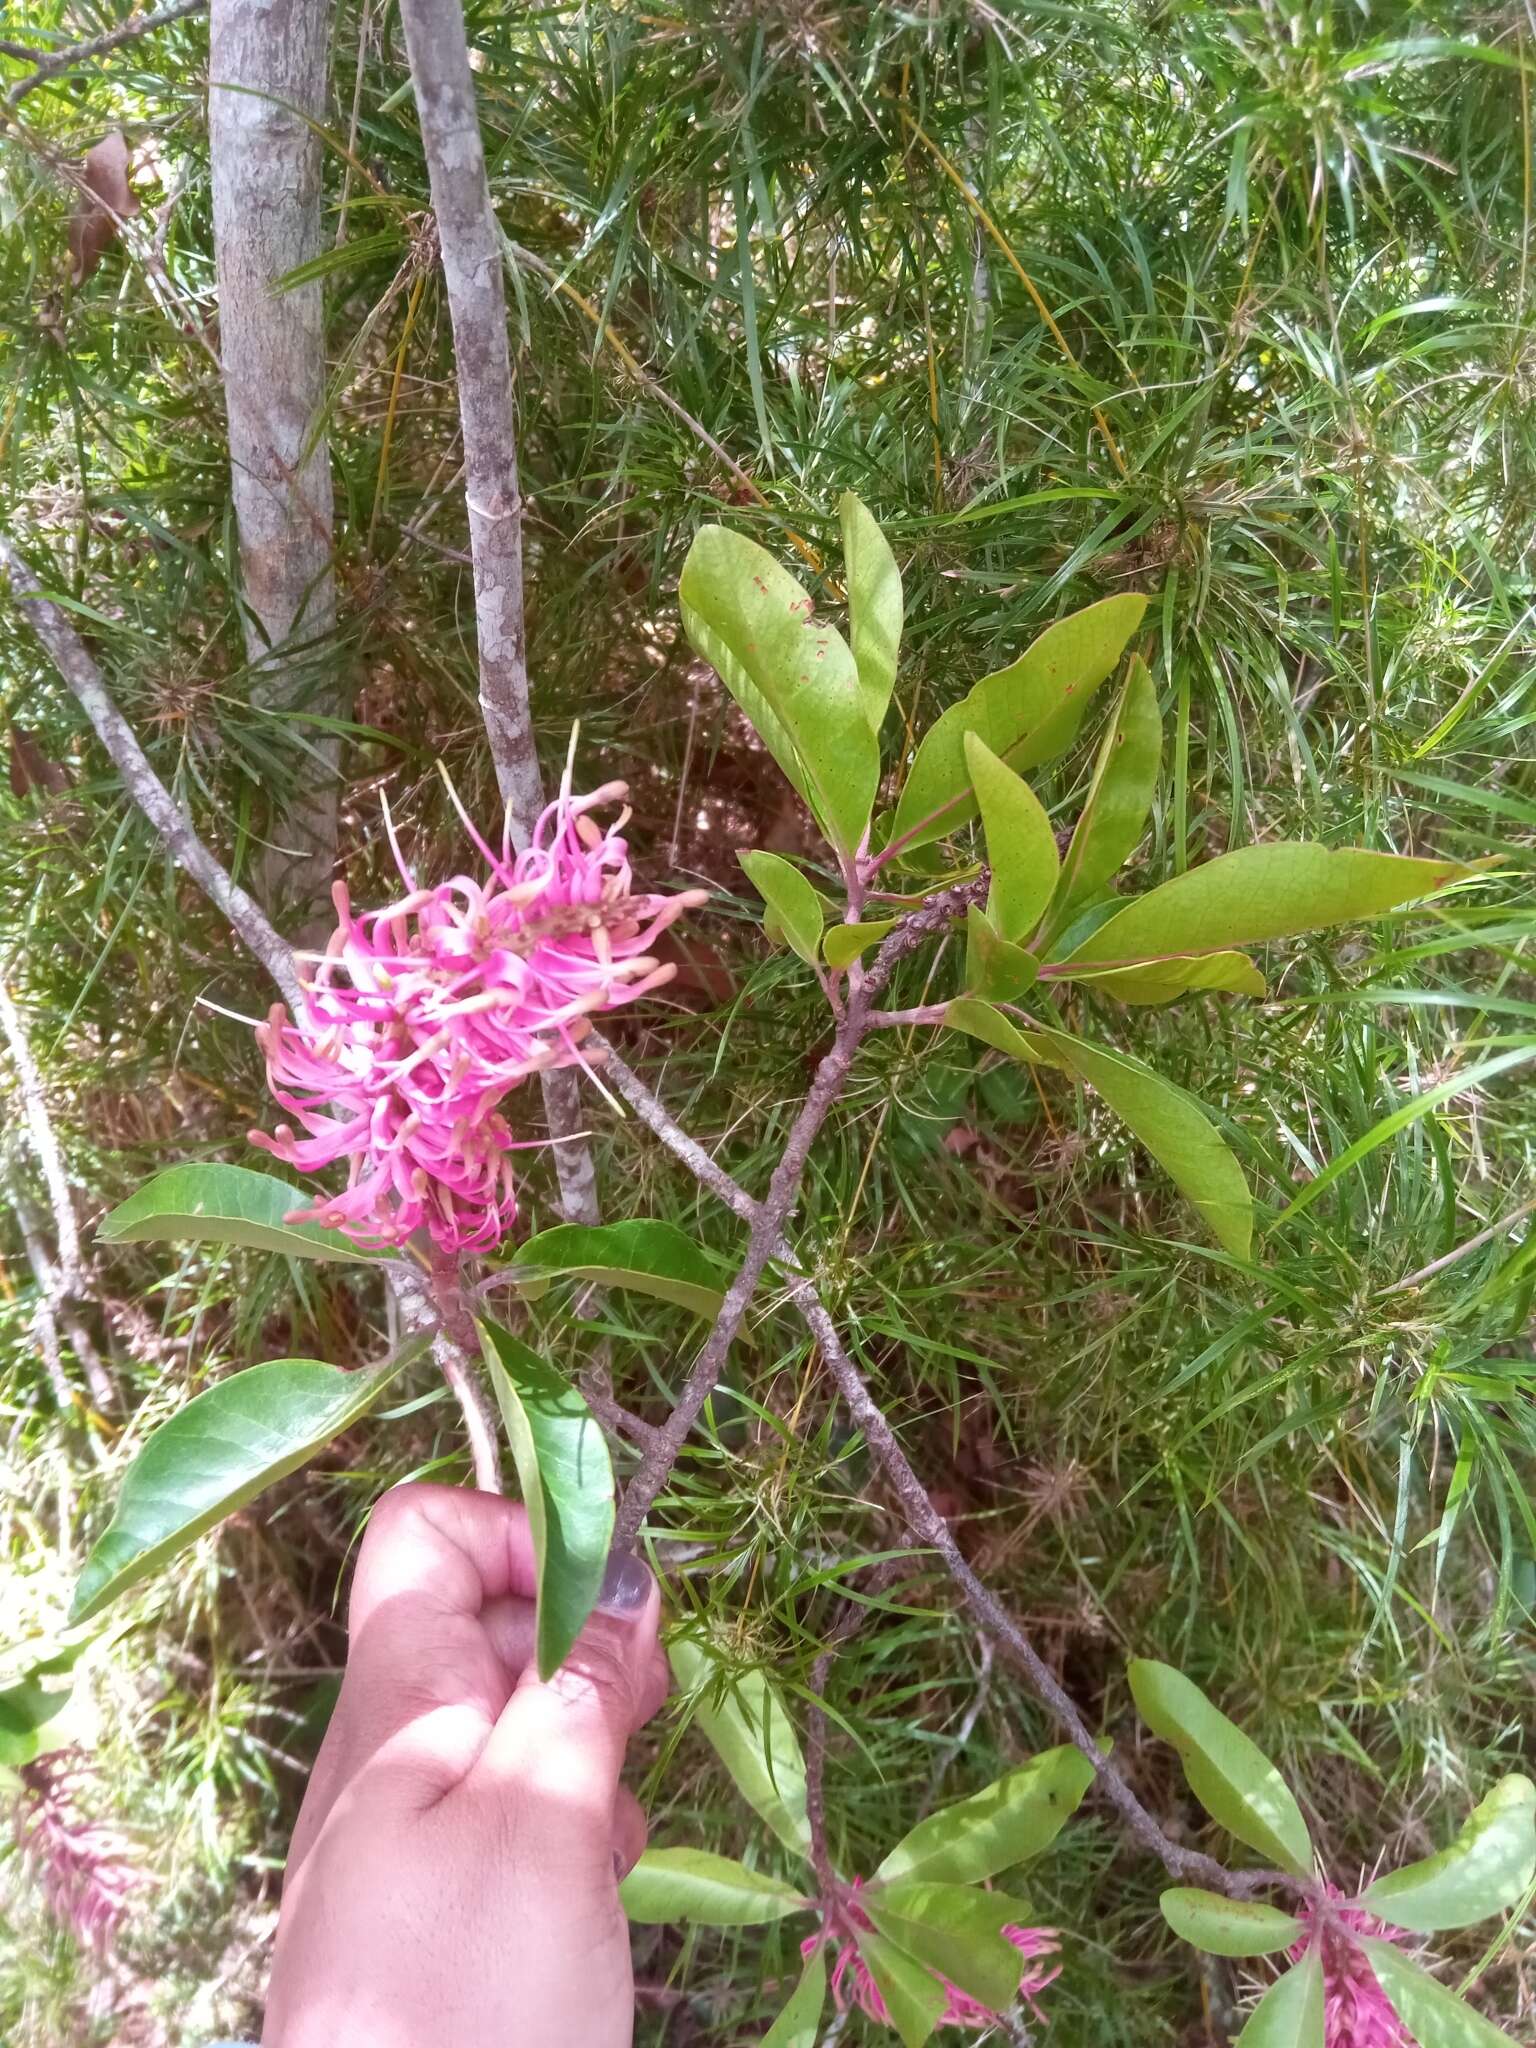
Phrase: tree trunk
pixel 269 65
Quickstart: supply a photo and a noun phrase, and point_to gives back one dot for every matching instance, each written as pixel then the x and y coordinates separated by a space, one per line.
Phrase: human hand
pixel 453 1878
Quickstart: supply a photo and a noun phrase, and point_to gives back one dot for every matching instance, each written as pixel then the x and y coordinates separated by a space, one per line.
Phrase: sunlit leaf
pixel 1228 1927
pixel 798 910
pixel 842 944
pixel 228 1444
pixel 1164 981
pixel 1021 846
pixel 754 1739
pixel 1027 713
pixel 874 605
pixel 1014 1818
pixel 793 675
pixel 913 1996
pixel 1488 1866
pixel 644 1255
pixel 566 1479
pixel 1231 1777
pixel 956 1930
pixel 1434 2017
pixel 215 1204
pixel 799 2024
pixel 708 1890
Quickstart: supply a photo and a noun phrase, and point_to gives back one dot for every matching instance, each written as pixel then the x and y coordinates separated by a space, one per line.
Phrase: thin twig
pixel 57 61
pixel 34 1104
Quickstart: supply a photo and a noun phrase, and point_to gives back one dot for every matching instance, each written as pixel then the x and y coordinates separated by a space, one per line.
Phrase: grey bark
pixel 269 66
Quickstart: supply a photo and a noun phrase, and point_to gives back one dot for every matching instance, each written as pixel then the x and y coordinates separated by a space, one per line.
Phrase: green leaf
pixel 874 606
pixel 1263 892
pixel 211 1204
pixel 1027 713
pixel 1435 2017
pixel 1010 1820
pixel 1114 813
pixel 843 943
pixel 799 910
pixel 794 678
pixel 1174 1127
pixel 228 1444
pixel 1228 1927
pixel 983 1021
pixel 567 1485
pixel 1021 847
pixel 1290 2014
pixel 645 1256
pixel 913 1996
pixel 710 1891
pixel 1488 1866
pixel 754 1739
pixel 800 2021
pixel 1231 1777
pixel 27 1710
pixel 995 968
pixel 1163 981
pixel 957 1931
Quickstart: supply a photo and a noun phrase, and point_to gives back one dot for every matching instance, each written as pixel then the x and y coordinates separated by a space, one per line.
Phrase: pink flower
pixel 421 1017
pixel 852 1983
pixel 87 1869
pixel 1356 2011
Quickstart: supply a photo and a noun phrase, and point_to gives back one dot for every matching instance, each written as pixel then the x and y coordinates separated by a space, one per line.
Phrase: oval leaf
pixel 843 943
pixel 710 1891
pixel 1231 1777
pixel 956 1930
pixel 230 1442
pixel 754 1739
pixel 1114 813
pixel 914 1997
pixel 214 1204
pixel 1263 892
pixel 1021 847
pixel 1027 713
pixel 798 2025
pixel 1015 1818
pixel 800 912
pixel 1435 2017
pixel 1164 981
pixel 1290 2014
pixel 1175 1128
pixel 793 676
pixel 874 606
pixel 567 1485
pixel 983 1021
pixel 1488 1866
pixel 1228 1927
pixel 642 1255
pixel 995 968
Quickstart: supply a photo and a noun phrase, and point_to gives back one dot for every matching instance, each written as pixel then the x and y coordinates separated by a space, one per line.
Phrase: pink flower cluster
pixel 420 1017
pixel 87 1869
pixel 1356 2011
pixel 853 1984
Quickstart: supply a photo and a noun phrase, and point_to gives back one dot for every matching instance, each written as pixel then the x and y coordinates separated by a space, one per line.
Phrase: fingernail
pixel 626 1586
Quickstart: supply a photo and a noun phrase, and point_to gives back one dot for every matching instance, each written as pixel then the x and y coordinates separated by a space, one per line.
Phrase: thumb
pixel 558 1746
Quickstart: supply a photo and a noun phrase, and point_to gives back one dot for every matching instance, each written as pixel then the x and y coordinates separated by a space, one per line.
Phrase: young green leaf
pixel 843 943
pixel 227 1444
pixel 1434 2017
pixel 798 2025
pixel 1290 2014
pixel 1027 713
pixel 645 1256
pixel 1021 847
pixel 1488 1866
pixel 995 969
pixel 799 910
pixel 1263 892
pixel 1231 1777
pixel 710 1891
pixel 1114 814
pixel 28 1711
pixel 754 1739
pixel 983 1021
pixel 1228 1927
pixel 214 1204
pixel 1164 981
pixel 567 1484
pixel 913 1996
pixel 795 678
pixel 1008 1821
pixel 874 605
pixel 956 1930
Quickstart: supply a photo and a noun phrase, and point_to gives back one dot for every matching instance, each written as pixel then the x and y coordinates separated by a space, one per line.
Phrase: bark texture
pixel 269 66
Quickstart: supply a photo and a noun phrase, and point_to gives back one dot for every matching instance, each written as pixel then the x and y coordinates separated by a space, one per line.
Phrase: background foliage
pixel 1287 388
